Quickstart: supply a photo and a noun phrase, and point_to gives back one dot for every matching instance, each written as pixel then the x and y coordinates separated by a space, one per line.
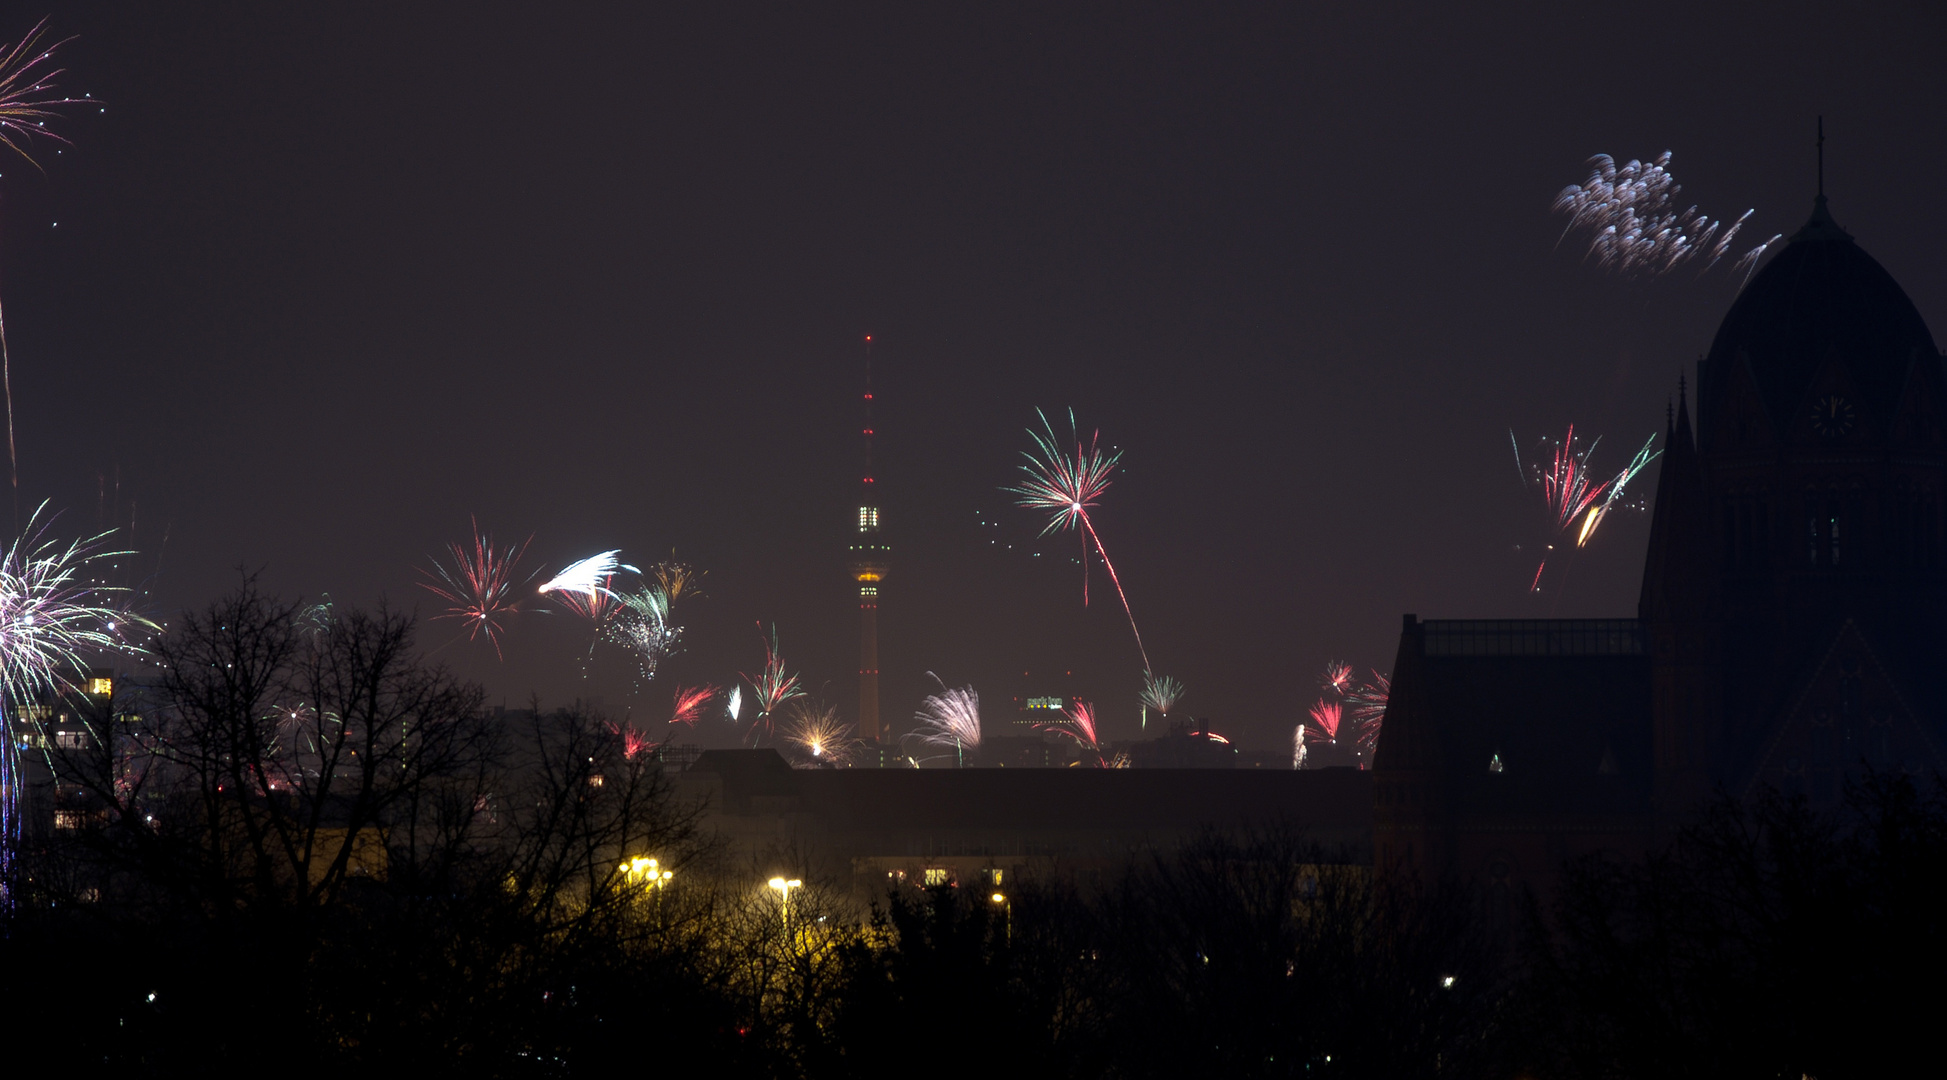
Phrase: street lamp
pixel 646 870
pixel 784 889
pixel 999 899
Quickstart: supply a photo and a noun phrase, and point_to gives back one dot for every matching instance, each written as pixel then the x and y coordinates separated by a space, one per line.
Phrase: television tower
pixel 869 565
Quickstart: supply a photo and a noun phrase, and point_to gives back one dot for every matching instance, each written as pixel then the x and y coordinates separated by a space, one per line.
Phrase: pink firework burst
pixel 481 585
pixel 689 704
pixel 634 742
pixel 1078 723
pixel 1066 481
pixel 1325 716
pixel 1337 678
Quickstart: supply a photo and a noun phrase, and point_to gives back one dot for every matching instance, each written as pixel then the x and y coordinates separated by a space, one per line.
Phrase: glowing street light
pixel 784 889
pixel 647 871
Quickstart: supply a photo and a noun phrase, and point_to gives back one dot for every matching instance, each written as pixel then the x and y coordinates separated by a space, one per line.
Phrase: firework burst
pixel 1324 720
pixel 51 616
pixel 1629 214
pixel 1572 493
pixel 641 622
pixel 634 741
pixel 773 686
pixel 819 737
pixel 1066 482
pixel 1078 723
pixel 589 577
pixel 1351 706
pixel 950 719
pixel 689 703
pixel 1160 692
pixel 28 100
pixel 481 585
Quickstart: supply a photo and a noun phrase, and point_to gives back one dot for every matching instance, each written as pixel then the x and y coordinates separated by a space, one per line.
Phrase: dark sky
pixel 326 283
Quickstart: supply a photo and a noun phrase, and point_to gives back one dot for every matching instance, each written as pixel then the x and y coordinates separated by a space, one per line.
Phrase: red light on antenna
pixel 868 431
pixel 868 337
pixel 868 397
pixel 868 479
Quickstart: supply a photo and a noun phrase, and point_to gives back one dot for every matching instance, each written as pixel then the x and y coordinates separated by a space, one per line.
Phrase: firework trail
pixel 819 736
pixel 735 703
pixel 1160 692
pixel 28 101
pixel 689 704
pixel 1298 747
pixel 1630 216
pixel 773 686
pixel 480 585
pixel 949 719
pixel 1067 483
pixel 50 616
pixel 1572 493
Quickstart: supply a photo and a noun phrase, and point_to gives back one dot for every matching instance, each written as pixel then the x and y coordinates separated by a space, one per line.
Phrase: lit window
pixel 70 740
pixel 67 819
pixel 994 876
pixel 938 875
pixel 595 780
pixel 101 687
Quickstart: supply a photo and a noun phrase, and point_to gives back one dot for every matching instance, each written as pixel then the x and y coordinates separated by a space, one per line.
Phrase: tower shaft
pixel 868 565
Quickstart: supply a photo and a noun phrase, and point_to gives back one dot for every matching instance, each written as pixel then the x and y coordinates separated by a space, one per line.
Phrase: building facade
pixel 1789 631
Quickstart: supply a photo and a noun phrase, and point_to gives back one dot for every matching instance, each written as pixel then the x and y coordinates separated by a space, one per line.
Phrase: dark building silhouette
pixel 1789 629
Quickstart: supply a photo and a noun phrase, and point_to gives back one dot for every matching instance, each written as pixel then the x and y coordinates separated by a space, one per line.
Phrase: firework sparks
pixel 1337 678
pixel 480 586
pixel 589 577
pixel 1572 493
pixel 640 622
pixel 820 738
pixel 28 100
pixel 1630 216
pixel 1325 717
pixel 1066 483
pixel 634 741
pixel 735 703
pixel 678 579
pixel 51 615
pixel 690 701
pixel 1160 692
pixel 1347 699
pixel 773 687
pixel 949 719
pixel 1078 723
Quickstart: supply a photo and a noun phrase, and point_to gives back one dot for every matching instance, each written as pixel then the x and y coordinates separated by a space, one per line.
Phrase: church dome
pixel 1821 299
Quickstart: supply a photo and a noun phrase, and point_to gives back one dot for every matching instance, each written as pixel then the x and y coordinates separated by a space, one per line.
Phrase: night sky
pixel 325 284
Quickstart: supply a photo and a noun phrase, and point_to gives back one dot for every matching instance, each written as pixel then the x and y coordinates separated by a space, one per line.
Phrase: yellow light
pixel 999 899
pixel 868 575
pixel 1588 525
pixel 101 687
